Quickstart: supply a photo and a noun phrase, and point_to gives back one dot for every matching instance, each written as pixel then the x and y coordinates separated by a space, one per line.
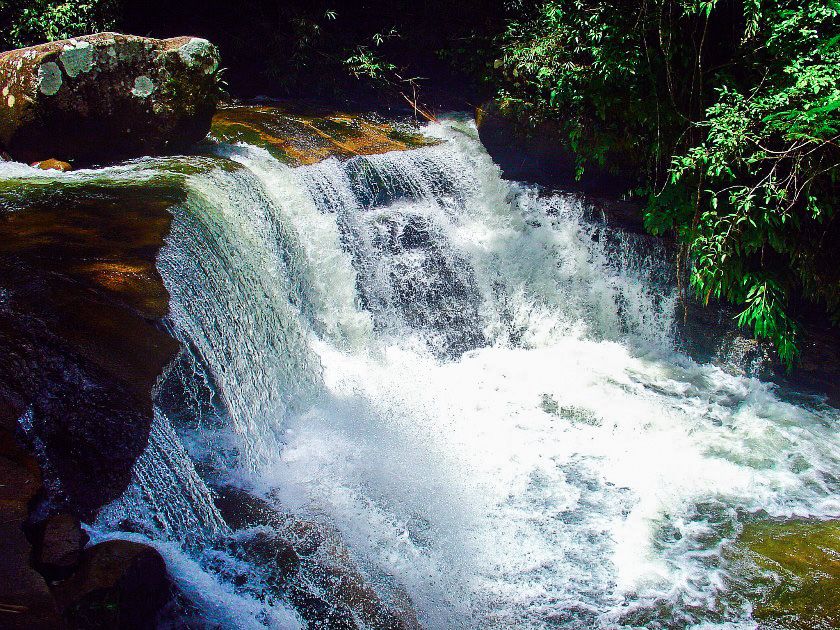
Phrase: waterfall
pixel 237 299
pixel 473 381
pixel 166 497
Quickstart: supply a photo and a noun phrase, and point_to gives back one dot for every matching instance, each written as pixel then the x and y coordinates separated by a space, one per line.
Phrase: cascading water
pixel 166 494
pixel 474 382
pixel 494 417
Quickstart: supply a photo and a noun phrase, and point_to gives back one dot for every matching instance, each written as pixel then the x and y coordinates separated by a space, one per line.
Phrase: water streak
pixel 166 498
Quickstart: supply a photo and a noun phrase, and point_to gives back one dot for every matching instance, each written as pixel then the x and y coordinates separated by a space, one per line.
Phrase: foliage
pixel 728 113
pixel 722 114
pixel 294 39
pixel 366 63
pixel 31 22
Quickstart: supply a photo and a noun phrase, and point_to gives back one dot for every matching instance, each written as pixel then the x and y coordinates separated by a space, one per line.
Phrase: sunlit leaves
pixel 751 184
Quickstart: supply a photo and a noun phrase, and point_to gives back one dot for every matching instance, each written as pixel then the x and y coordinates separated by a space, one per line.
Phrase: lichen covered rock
pixel 106 97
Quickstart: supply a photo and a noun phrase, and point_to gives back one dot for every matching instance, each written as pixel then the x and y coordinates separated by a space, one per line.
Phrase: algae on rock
pixel 792 573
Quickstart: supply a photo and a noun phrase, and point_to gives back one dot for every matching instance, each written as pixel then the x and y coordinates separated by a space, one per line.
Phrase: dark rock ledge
pixel 80 351
pixel 81 301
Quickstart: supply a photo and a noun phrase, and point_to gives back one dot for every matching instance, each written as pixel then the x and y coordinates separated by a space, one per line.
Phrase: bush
pixel 29 22
pixel 728 113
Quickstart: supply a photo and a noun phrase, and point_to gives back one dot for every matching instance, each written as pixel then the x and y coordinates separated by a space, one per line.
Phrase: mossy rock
pixel 792 572
pixel 107 97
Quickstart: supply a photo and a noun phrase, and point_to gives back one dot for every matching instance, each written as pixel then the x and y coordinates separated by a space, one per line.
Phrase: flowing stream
pixel 474 382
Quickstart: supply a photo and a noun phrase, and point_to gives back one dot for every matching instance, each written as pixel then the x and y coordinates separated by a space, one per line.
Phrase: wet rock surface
pixel 54 165
pixel 298 137
pixel 710 334
pixel 119 584
pixel 25 599
pixel 790 572
pixel 106 97
pixel 307 563
pixel 80 350
pixel 59 548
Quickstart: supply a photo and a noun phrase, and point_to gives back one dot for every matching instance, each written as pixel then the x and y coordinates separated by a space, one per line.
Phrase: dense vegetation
pixel 25 22
pixel 722 115
pixel 729 113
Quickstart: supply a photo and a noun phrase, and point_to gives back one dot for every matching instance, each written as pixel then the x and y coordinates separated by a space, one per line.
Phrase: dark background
pixel 294 49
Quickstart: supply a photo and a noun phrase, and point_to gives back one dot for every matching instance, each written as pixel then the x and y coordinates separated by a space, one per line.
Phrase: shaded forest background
pixel 721 116
pixel 296 48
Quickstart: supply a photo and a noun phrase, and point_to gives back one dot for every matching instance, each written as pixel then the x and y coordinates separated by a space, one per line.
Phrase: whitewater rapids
pixel 477 384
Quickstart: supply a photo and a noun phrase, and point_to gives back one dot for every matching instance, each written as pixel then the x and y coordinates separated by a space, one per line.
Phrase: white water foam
pixel 513 441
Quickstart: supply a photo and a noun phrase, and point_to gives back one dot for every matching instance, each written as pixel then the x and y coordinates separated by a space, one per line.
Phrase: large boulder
pixel 81 347
pixel 106 97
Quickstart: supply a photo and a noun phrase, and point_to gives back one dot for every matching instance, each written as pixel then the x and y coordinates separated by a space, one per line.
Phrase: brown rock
pixel 80 350
pixel 79 344
pixel 286 546
pixel 119 584
pixel 60 549
pixel 298 137
pixel 25 600
pixel 53 165
pixel 106 97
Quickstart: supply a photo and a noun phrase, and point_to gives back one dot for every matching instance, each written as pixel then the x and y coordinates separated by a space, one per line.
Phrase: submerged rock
pixel 308 563
pixel 790 571
pixel 107 97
